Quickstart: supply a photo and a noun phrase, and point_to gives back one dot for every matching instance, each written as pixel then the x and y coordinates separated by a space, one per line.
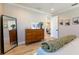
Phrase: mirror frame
pixel 2 35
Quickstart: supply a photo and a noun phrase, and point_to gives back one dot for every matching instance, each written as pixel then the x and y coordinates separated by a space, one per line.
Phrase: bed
pixel 71 48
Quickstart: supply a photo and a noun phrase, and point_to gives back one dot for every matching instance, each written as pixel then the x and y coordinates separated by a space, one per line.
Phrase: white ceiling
pixel 47 6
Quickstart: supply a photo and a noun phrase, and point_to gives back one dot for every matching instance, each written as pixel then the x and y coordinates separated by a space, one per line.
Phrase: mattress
pixel 71 48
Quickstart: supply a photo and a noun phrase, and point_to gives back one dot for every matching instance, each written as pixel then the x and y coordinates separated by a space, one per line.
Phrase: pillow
pixel 54 45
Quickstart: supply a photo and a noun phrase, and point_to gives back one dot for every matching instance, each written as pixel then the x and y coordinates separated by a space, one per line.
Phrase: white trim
pixel 35 10
pixel 65 10
pixel 20 43
pixel 39 11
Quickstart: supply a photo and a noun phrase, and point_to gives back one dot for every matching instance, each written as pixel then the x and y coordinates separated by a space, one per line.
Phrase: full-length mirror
pixel 9 32
pixel 0 36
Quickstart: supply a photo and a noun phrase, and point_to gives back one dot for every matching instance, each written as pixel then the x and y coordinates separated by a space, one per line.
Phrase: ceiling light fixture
pixel 51 9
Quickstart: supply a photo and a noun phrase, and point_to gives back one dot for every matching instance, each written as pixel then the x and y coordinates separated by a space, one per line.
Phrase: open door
pixel 54 27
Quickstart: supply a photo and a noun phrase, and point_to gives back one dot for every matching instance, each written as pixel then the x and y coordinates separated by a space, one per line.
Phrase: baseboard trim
pixel 20 43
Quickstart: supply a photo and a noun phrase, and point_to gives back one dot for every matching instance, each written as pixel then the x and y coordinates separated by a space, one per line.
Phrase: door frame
pixel 57 24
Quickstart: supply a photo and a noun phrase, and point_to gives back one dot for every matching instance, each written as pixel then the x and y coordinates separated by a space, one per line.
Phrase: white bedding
pixel 71 48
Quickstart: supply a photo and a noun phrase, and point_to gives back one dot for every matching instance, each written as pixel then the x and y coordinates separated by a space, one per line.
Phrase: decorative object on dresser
pixel 33 35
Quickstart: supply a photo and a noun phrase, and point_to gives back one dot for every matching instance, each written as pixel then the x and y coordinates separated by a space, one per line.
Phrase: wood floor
pixel 24 49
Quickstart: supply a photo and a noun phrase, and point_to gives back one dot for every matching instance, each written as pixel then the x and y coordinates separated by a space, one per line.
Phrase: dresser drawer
pixel 33 35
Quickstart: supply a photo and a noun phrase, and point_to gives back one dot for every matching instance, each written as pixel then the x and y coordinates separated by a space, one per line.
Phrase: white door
pixel 54 27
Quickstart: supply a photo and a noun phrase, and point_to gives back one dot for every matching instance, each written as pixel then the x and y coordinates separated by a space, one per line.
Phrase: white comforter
pixel 71 48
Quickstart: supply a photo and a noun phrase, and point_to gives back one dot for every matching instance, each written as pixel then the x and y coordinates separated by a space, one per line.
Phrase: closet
pixel 8 33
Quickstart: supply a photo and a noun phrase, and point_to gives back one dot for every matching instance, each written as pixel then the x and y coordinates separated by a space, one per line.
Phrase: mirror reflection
pixel 9 33
pixel 0 36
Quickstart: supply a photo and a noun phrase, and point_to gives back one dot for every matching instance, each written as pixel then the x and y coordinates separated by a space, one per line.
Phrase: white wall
pixel 1 9
pixel 68 30
pixel 71 13
pixel 24 18
pixel 72 29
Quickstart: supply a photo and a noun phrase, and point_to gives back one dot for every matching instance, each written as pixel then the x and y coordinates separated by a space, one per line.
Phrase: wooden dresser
pixel 33 35
pixel 13 38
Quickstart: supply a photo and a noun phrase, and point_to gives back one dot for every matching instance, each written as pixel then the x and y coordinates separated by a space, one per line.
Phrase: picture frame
pixel 61 22
pixel 75 20
pixel 67 22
